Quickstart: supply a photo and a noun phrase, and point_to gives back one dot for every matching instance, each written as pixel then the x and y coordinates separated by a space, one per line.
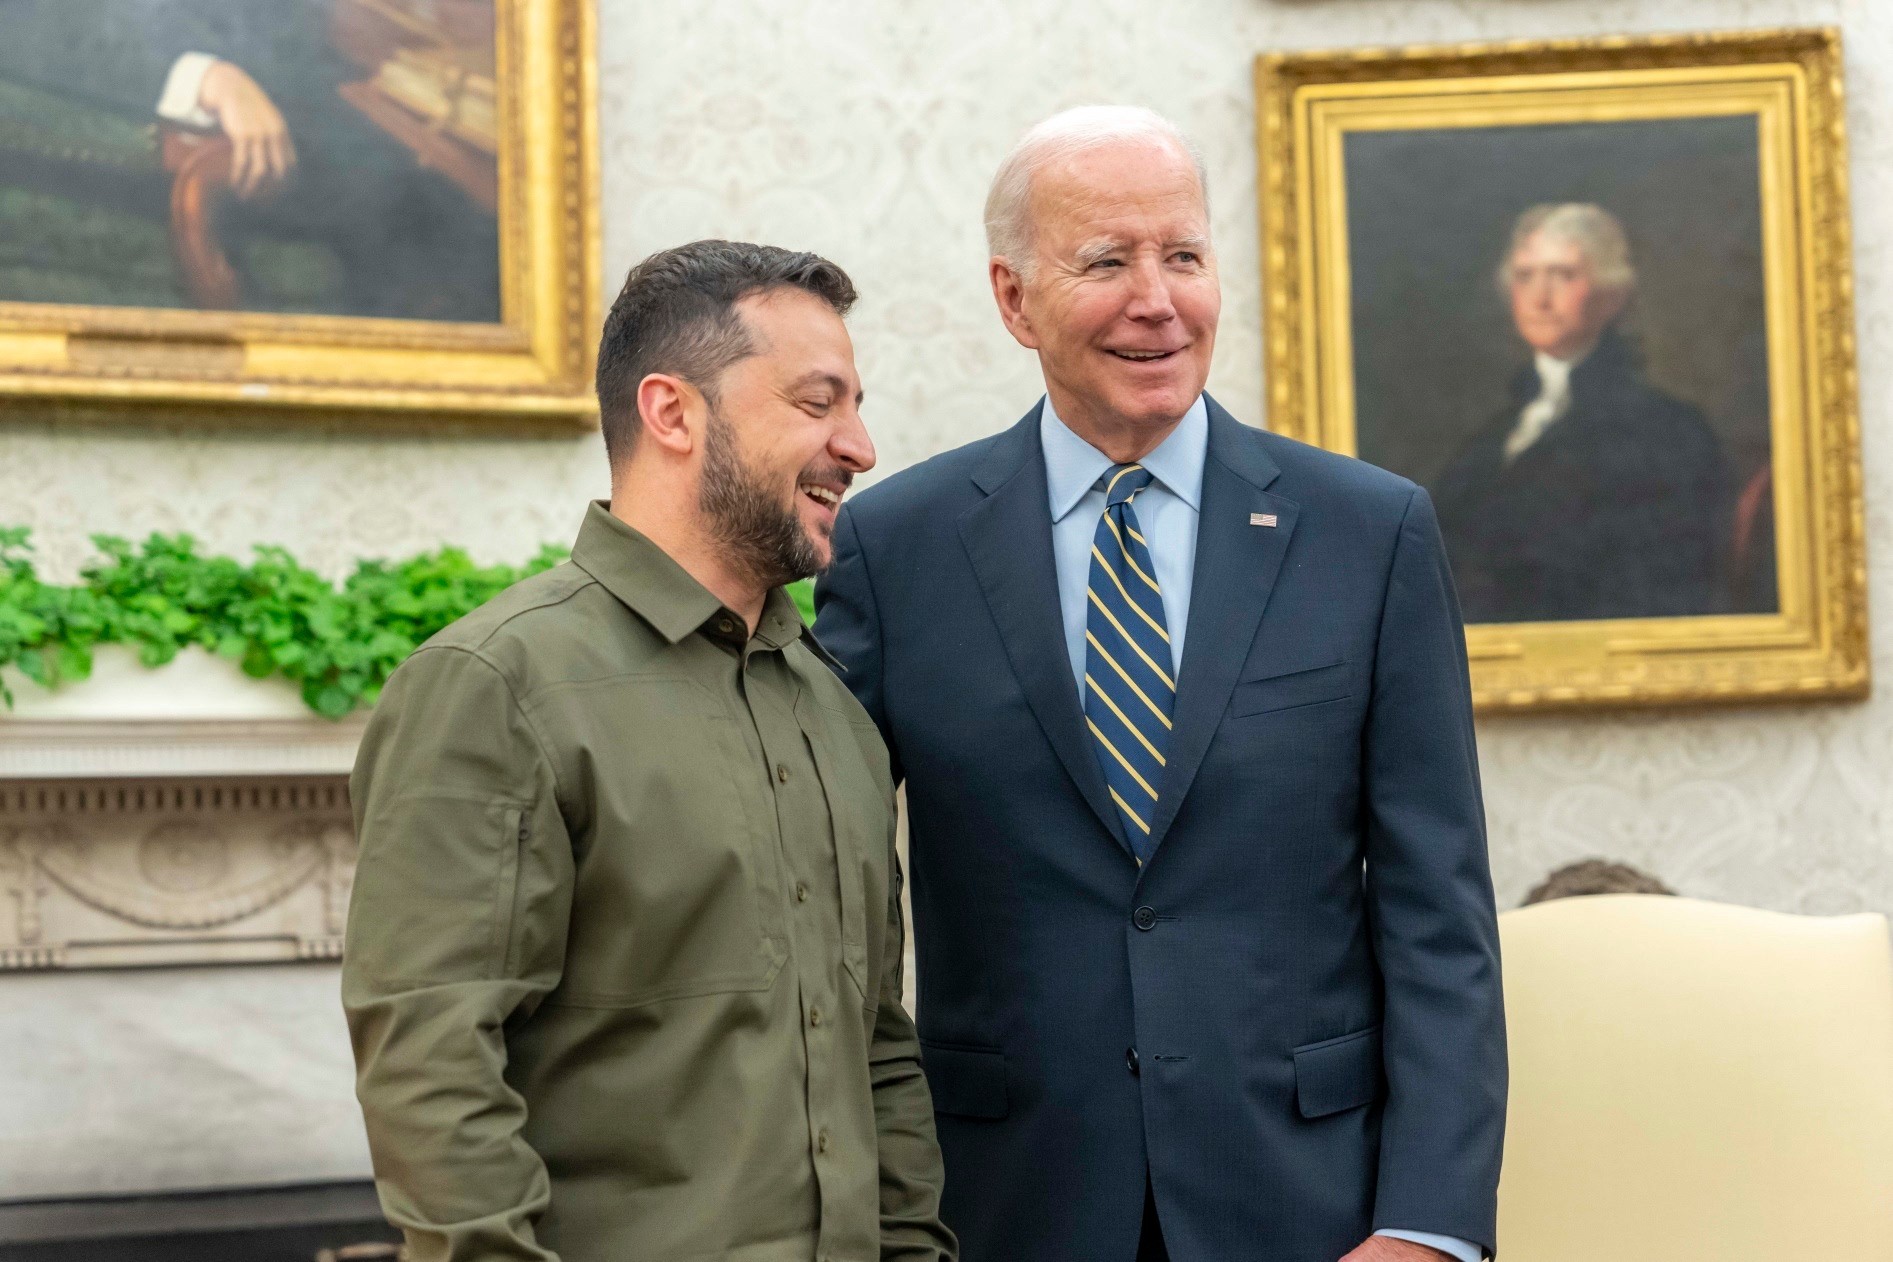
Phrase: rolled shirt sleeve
pixel 456 926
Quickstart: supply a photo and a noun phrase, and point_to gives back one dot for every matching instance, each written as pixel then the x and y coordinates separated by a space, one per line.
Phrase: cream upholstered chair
pixel 1696 1081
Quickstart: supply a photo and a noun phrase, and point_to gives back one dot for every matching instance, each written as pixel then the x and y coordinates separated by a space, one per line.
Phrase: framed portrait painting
pixel 369 205
pixel 1595 297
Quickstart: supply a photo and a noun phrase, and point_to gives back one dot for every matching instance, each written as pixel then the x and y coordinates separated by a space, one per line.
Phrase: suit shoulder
pixel 923 486
pixel 1308 470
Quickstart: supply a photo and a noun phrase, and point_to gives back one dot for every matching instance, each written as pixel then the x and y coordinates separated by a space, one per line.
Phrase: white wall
pixel 867 131
pixel 144 1080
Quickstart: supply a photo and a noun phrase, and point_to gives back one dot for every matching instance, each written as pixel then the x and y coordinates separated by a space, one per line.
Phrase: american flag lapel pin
pixel 1261 519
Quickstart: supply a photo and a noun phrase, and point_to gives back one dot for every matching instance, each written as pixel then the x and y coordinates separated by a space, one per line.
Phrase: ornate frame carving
pixel 1816 647
pixel 532 366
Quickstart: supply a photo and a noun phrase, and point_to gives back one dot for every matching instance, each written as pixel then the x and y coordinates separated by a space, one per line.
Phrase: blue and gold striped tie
pixel 1129 691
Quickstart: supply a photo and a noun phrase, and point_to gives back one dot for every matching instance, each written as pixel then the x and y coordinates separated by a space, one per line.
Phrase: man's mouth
pixel 1144 357
pixel 821 494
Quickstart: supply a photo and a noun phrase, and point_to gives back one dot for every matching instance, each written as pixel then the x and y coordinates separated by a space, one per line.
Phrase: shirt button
pixel 1144 918
pixel 814 1016
pixel 821 1142
pixel 725 625
pixel 801 892
pixel 782 774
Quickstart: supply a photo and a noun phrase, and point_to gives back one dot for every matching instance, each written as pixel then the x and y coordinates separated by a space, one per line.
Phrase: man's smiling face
pixel 784 438
pixel 1123 299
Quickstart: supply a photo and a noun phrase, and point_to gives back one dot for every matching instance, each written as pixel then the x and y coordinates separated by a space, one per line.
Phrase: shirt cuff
pixel 179 101
pixel 1464 1250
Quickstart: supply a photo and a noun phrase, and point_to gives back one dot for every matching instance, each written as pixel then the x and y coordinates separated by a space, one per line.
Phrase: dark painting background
pixel 1430 214
pixel 389 103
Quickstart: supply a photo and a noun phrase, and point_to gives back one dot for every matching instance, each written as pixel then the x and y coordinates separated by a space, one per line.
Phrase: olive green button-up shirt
pixel 623 958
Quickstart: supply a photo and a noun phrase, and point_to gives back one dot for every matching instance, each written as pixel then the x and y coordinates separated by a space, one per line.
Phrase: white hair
pixel 1592 229
pixel 1008 203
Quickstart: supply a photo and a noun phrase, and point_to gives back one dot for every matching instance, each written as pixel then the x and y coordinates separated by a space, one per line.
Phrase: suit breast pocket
pixel 1292 689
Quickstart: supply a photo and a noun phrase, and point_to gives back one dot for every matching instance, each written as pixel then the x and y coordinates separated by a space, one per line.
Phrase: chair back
pixel 1692 1080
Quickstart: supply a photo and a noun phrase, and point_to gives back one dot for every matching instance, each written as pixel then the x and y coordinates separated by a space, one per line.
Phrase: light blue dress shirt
pixel 1167 510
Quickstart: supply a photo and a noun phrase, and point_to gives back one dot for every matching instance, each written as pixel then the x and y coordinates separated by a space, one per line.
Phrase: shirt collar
pixel 662 592
pixel 1073 466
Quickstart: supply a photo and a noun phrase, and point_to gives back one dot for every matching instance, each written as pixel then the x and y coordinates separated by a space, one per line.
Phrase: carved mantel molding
pixel 108 873
pixel 182 816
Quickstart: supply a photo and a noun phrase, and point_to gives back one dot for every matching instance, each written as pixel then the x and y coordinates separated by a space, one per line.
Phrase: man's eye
pixel 817 405
pixel 1108 263
pixel 1186 256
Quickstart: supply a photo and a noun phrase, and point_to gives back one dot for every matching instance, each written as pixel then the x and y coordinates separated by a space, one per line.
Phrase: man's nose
pixel 850 445
pixel 1150 292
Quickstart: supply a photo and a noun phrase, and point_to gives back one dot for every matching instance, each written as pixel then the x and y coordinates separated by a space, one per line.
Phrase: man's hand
pixel 262 154
pixel 1388 1249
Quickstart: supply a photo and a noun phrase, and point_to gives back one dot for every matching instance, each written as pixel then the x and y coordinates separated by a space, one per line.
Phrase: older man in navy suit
pixel 1208 963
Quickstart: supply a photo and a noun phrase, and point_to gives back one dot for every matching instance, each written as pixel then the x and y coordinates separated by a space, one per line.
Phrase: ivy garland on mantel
pixel 272 616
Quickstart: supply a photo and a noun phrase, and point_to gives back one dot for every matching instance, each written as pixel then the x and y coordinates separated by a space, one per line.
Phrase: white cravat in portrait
pixel 1553 401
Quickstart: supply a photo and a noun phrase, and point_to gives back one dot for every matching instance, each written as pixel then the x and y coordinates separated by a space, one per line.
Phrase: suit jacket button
pixel 1130 1060
pixel 1144 918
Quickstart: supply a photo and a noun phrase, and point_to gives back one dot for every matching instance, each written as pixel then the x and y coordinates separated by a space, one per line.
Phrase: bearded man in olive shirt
pixel 623 962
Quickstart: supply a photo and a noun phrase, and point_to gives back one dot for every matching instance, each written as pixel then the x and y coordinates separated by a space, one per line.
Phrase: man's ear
pixel 665 404
pixel 1009 293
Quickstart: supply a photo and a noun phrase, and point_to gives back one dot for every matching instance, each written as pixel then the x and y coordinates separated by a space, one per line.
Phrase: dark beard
pixel 764 538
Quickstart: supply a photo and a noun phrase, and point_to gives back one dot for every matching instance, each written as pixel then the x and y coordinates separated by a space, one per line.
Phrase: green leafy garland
pixel 273 616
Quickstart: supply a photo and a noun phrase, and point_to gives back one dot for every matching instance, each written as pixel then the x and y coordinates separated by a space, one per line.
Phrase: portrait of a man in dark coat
pixel 1593 493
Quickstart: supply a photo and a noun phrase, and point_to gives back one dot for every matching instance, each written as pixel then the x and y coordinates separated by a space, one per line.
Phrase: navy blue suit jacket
pixel 1289 1020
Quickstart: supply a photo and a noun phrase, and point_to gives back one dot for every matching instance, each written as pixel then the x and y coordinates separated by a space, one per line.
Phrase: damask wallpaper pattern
pixel 867 129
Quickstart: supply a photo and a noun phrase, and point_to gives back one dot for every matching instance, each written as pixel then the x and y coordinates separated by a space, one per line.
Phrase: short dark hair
pixel 1594 876
pixel 677 314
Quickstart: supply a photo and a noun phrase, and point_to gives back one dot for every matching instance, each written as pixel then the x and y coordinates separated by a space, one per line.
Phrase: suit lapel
pixel 1008 539
pixel 1236 567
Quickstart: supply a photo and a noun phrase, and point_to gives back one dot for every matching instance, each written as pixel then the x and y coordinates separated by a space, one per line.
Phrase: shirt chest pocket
pixel 860 805
pixel 678 889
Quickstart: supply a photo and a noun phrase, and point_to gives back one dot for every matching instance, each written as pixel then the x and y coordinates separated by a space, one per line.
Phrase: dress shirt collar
pixel 1073 466
pixel 663 593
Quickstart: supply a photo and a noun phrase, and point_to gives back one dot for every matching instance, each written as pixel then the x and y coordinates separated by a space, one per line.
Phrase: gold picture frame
pixel 516 136
pixel 1489 129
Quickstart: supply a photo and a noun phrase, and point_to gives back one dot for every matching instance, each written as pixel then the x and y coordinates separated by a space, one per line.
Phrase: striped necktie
pixel 1129 692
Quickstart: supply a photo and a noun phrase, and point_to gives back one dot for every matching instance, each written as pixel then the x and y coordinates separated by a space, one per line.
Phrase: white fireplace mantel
pixel 186 814
pixel 198 715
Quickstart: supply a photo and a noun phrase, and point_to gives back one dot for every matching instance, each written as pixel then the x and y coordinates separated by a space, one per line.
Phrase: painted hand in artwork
pixel 262 153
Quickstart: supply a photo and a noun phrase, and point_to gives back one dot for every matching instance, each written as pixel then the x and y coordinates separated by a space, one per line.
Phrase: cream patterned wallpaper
pixel 867 129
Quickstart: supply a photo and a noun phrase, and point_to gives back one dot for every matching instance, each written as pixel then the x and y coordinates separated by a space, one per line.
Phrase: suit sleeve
pixel 1429 892
pixel 456 927
pixel 848 623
